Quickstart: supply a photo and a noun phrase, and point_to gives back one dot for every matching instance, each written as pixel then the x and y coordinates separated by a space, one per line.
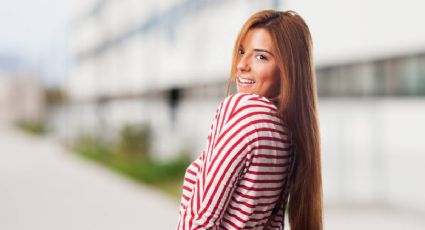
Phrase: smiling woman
pixel 264 144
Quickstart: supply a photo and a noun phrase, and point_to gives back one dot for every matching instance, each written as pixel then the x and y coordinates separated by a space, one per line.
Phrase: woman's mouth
pixel 244 81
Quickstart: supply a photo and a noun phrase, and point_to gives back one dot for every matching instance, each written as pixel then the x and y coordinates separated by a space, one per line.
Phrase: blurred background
pixel 104 103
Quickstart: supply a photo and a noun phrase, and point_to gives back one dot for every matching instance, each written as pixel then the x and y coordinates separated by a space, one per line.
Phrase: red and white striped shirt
pixel 236 181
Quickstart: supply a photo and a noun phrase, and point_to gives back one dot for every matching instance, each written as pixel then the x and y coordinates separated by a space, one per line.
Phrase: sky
pixel 36 32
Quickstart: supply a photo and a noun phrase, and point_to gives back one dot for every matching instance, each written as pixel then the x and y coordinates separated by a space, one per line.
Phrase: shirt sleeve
pixel 230 142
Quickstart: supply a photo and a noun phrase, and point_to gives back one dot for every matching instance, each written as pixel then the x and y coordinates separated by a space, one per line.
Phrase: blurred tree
pixel 54 96
pixel 135 140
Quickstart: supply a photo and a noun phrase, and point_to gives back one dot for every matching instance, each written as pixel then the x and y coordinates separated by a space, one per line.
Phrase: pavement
pixel 45 187
pixel 372 217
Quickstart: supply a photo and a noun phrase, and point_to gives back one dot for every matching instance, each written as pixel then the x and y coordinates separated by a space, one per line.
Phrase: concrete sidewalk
pixel 373 218
pixel 42 186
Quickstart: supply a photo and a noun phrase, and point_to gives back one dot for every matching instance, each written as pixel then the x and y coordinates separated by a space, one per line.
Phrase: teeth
pixel 245 81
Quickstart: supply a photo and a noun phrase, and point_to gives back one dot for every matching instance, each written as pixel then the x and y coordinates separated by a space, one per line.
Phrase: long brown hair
pixel 297 103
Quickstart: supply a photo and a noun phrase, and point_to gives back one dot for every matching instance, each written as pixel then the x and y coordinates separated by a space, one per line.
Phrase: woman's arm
pixel 232 139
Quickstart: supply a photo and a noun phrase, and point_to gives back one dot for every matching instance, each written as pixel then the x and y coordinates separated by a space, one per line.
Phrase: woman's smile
pixel 245 82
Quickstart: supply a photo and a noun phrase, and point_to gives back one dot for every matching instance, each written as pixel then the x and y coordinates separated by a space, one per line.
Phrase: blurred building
pixel 396 75
pixel 130 50
pixel 21 94
pixel 132 47
pixel 124 48
pixel 124 51
pixel 166 63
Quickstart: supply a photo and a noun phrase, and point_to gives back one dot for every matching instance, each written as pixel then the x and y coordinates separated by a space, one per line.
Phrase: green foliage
pixel 135 140
pixel 92 148
pixel 129 159
pixel 33 127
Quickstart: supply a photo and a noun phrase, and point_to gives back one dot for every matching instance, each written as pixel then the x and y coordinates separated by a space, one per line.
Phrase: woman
pixel 263 149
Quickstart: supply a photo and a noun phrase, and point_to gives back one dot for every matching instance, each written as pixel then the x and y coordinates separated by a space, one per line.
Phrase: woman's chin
pixel 244 90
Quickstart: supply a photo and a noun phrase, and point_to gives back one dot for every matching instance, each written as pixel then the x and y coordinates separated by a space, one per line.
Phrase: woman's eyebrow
pixel 263 50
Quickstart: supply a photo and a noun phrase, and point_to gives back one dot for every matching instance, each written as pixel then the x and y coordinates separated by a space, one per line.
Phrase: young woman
pixel 263 149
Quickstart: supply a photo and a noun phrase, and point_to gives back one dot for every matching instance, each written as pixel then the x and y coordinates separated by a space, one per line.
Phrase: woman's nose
pixel 243 64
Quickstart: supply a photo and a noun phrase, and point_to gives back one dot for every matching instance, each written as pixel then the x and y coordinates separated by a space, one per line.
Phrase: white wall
pixel 347 30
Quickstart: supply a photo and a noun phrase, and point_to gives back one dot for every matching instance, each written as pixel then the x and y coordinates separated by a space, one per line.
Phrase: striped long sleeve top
pixel 237 179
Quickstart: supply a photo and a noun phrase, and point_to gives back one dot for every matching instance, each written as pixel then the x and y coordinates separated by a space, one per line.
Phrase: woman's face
pixel 256 70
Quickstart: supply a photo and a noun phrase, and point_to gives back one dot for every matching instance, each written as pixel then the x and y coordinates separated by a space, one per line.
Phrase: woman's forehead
pixel 257 38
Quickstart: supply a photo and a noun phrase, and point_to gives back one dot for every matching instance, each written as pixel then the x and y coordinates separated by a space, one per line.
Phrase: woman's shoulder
pixel 239 99
pixel 246 105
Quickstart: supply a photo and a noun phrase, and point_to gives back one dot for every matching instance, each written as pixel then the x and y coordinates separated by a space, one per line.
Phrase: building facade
pixel 166 63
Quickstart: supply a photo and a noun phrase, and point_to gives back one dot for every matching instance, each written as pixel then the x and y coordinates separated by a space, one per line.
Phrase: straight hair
pixel 297 104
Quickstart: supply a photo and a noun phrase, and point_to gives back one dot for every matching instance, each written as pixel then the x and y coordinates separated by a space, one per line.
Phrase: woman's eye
pixel 260 57
pixel 240 52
